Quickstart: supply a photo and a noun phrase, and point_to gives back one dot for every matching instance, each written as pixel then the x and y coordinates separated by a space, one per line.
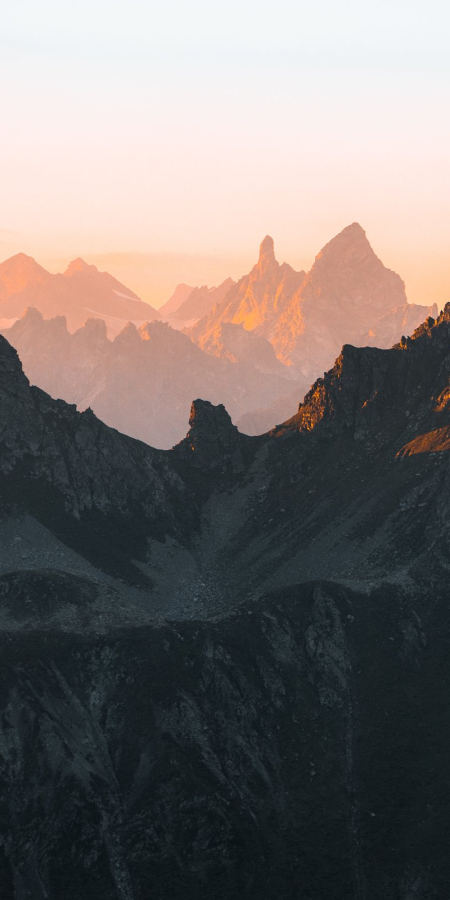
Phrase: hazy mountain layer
pixel 79 294
pixel 198 303
pixel 180 294
pixel 142 383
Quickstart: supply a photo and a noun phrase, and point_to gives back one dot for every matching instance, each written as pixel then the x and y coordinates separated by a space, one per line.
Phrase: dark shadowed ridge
pixel 225 666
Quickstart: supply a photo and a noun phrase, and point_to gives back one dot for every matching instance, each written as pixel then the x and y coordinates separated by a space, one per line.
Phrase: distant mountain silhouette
pixel 79 294
pixel 307 317
pixel 200 301
pixel 180 294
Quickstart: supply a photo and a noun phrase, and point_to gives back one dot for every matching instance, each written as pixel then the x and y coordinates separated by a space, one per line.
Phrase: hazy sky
pixel 165 140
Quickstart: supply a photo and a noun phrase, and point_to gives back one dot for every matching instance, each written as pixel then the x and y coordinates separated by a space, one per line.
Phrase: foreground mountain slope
pixel 283 732
pixel 143 382
pixel 78 294
pixel 333 491
pixel 347 294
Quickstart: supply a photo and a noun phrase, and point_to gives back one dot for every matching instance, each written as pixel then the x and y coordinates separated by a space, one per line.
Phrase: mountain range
pixel 260 342
pixel 143 381
pixel 225 665
pixel 80 293
pixel 347 296
pixel 198 302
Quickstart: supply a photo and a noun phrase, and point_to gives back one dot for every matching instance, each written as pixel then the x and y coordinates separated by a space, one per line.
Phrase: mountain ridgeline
pixel 348 296
pixel 225 665
pixel 255 346
pixel 143 381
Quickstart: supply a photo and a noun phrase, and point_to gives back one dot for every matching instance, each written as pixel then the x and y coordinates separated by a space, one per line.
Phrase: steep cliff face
pixel 212 441
pixel 225 666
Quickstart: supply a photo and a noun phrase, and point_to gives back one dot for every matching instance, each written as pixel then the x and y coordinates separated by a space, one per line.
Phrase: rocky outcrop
pixel 212 442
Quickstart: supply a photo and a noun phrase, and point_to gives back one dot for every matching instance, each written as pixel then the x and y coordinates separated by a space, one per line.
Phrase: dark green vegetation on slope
pixel 277 725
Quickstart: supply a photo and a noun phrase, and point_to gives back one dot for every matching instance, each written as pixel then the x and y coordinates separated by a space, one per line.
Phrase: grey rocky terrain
pixel 225 666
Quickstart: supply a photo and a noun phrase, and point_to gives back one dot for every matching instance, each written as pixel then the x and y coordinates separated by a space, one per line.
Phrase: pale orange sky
pixel 164 143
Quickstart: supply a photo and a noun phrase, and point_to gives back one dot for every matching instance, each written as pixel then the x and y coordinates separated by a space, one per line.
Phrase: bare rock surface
pixel 225 666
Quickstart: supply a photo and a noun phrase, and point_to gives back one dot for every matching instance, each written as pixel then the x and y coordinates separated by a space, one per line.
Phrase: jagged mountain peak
pixel 95 328
pixel 34 322
pixel 128 334
pixel 31 314
pixel 19 261
pixel 17 272
pixel 79 265
pixel 347 247
pixel 212 442
pixel 14 388
pixel 266 251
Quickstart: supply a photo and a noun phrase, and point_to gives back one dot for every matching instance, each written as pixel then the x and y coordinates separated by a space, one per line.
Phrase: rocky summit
pixel 347 296
pixel 225 666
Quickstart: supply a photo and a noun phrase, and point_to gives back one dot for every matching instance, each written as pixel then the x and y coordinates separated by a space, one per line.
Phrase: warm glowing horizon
pixel 154 276
pixel 162 145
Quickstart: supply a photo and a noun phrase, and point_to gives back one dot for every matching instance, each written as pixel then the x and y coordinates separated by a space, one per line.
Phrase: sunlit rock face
pixel 347 297
pixel 256 300
pixel 225 666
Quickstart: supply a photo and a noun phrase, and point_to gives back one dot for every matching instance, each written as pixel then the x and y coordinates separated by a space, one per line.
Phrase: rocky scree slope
pixel 289 743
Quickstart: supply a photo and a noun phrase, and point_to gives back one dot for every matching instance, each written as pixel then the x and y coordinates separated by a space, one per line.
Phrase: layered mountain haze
pixel 346 295
pixel 180 294
pixel 272 334
pixel 200 301
pixel 226 664
pixel 401 320
pixel 80 293
pixel 143 381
